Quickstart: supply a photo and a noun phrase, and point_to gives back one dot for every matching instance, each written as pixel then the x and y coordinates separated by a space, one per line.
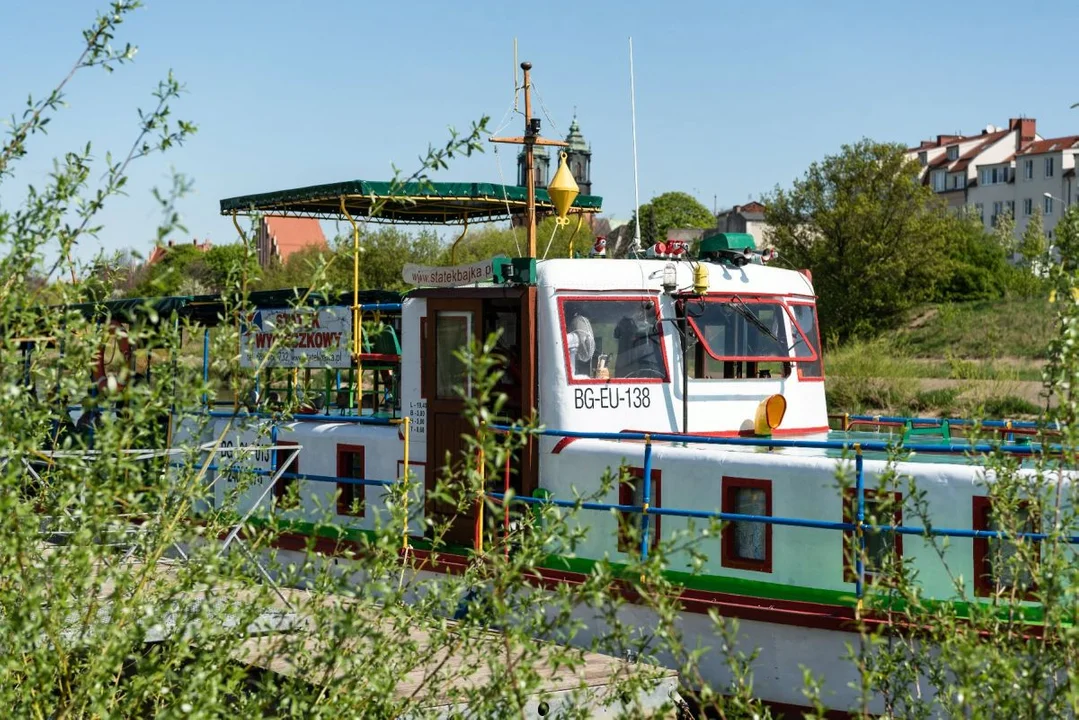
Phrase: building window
pixel 993 569
pixel 994 176
pixel 879 544
pixel 1011 208
pixel 939 181
pixel 998 210
pixel 631 492
pixel 285 497
pixel 350 496
pixel 953 152
pixel 1048 202
pixel 1028 169
pixel 1050 164
pixel 923 159
pixel 958 181
pixel 747 545
pixel 1028 207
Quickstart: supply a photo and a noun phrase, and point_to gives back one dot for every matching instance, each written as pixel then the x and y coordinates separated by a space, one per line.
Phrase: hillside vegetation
pixel 956 359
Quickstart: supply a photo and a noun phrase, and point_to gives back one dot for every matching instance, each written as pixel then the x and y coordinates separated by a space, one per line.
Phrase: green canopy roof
pixel 415 202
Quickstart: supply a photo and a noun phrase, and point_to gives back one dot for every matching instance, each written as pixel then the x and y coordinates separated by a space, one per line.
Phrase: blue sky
pixel 732 98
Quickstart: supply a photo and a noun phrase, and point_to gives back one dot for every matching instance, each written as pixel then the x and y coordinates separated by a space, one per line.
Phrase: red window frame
pixel 757 299
pixel 731 486
pixel 985 584
pixel 349 492
pixel 850 503
pixel 654 299
pixel 800 363
pixel 626 493
pixel 281 487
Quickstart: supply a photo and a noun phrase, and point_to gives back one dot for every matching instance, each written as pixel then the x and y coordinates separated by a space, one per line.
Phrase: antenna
pixel 516 87
pixel 636 247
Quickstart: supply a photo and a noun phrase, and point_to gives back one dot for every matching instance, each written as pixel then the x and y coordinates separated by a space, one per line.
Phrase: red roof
pixel 1050 145
pixel 293 233
pixel 963 161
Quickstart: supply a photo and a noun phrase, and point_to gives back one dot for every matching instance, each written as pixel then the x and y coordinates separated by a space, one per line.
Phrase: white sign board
pixel 295 337
pixel 428 276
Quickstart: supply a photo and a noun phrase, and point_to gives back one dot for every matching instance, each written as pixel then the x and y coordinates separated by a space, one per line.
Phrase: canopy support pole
pixel 580 221
pixel 453 248
pixel 357 326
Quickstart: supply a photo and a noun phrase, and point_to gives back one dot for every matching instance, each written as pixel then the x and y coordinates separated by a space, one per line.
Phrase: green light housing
pixel 514 271
pixel 727 243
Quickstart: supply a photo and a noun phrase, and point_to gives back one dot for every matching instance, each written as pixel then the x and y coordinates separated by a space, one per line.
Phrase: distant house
pixel 278 237
pixel 159 251
pixel 748 218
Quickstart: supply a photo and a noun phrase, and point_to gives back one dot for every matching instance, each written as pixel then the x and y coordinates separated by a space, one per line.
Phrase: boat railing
pixel 859 527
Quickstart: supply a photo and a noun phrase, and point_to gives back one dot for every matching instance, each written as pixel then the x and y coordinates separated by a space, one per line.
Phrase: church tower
pixel 579 158
pixel 541 166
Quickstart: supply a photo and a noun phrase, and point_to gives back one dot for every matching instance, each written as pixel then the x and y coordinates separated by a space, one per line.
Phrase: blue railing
pixel 860 527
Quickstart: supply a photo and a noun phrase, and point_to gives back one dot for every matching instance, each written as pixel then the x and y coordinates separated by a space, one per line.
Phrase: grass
pixel 980 359
pixel 1020 328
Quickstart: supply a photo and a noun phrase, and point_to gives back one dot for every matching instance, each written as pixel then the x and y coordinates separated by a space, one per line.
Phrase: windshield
pixel 612 339
pixel 750 329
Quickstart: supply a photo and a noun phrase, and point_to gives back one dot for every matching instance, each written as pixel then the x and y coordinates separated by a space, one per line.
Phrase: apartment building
pixel 1045 179
pixel 1001 171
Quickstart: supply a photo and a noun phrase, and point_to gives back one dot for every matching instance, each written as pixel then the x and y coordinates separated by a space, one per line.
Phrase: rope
pixel 554 126
pixel 553 231
pixel 505 198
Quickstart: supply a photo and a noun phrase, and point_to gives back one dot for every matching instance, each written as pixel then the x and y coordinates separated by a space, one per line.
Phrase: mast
pixel 530 139
pixel 530 181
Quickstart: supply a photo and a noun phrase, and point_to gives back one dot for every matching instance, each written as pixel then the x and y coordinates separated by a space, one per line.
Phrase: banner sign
pixel 429 276
pixel 295 337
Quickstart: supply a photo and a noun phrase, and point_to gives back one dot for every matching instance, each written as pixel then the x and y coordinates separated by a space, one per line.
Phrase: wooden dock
pixel 450 659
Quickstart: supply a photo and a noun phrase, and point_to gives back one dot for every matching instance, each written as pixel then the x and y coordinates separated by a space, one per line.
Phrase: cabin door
pixel 451 325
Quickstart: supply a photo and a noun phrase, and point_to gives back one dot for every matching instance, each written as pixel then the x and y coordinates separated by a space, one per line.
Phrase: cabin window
pixel 994 566
pixel 615 339
pixel 747 545
pixel 350 496
pixel 880 544
pixel 453 332
pixel 631 492
pixel 805 314
pixel 745 338
pixel 284 496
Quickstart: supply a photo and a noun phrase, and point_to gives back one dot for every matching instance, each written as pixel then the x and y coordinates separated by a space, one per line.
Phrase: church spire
pixel 579 157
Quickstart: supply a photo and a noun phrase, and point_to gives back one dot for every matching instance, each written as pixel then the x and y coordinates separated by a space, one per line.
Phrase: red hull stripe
pixel 779 432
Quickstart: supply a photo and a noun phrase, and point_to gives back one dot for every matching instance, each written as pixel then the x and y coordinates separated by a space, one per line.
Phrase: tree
pixel 976 264
pixel 552 241
pixel 166 275
pixel 871 233
pixel 218 268
pixel 1004 232
pixel 671 210
pixel 1032 244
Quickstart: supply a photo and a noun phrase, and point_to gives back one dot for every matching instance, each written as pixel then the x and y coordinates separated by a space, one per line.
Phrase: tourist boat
pixel 702 375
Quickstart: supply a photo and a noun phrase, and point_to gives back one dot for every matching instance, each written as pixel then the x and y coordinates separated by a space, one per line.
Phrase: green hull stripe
pixel 755 589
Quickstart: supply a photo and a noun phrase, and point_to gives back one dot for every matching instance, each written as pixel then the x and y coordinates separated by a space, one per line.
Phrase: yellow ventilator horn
pixel 769 415
pixel 563 191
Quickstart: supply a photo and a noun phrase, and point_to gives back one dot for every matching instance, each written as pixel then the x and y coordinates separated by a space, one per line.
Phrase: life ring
pixel 100 375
